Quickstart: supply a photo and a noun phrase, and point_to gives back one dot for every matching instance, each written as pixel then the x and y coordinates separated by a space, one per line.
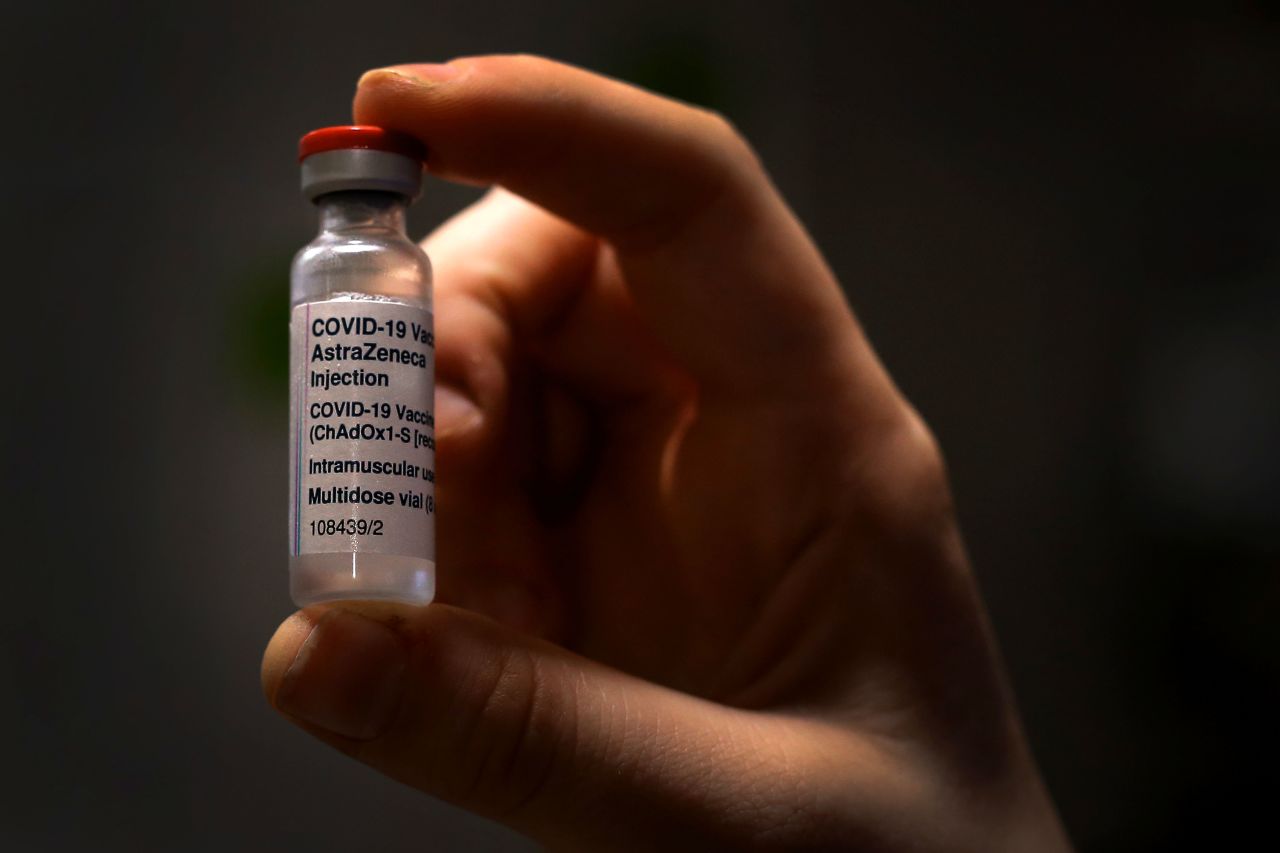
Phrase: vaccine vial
pixel 362 426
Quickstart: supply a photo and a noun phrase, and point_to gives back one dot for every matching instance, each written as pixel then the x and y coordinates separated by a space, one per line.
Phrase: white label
pixel 363 460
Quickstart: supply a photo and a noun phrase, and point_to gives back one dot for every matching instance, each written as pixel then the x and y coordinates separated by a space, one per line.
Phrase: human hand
pixel 726 602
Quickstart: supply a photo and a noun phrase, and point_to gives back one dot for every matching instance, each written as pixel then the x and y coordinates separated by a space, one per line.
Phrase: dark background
pixel 1059 223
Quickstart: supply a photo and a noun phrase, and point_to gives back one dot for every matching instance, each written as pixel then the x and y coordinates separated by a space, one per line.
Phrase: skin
pixel 701 582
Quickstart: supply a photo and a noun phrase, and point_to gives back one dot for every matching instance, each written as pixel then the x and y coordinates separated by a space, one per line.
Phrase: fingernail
pixel 455 411
pixel 415 75
pixel 347 677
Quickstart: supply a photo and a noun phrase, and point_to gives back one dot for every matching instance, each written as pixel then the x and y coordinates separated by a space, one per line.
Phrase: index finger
pixel 715 261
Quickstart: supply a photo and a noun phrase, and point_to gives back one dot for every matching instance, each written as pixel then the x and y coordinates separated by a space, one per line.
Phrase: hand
pixel 726 600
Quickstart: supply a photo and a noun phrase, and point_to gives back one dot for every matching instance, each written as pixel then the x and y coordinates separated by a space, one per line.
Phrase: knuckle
pixel 513 744
pixel 510 62
pixel 532 63
pixel 729 140
pixel 913 495
pixel 923 454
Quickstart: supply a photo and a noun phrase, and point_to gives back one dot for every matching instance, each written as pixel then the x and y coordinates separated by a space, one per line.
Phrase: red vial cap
pixel 360 136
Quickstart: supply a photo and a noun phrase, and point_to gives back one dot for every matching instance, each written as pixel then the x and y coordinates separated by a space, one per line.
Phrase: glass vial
pixel 362 424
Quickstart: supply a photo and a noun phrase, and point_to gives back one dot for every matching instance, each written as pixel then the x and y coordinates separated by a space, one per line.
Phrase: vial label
pixel 363 460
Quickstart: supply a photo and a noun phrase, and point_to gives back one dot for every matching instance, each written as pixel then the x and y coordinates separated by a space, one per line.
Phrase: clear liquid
pixel 314 578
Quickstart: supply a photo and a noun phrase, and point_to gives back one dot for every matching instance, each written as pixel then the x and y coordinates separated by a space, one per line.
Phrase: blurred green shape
pixel 680 64
pixel 257 332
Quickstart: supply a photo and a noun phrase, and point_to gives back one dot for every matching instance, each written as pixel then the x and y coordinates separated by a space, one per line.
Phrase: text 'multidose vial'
pixel 362 426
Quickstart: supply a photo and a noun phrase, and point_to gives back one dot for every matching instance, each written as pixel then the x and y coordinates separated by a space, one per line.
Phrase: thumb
pixel 556 746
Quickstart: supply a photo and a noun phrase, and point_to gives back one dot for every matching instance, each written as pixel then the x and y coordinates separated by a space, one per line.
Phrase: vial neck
pixel 342 211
